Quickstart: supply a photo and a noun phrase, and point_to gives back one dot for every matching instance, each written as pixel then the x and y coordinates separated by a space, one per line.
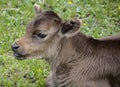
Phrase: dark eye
pixel 40 35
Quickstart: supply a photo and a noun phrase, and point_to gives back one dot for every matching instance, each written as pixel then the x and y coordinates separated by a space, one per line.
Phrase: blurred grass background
pixel 100 18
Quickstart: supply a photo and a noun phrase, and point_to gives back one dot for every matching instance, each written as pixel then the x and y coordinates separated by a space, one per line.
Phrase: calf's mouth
pixel 17 55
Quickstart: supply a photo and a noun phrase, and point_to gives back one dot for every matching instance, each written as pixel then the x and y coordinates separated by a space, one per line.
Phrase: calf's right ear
pixel 71 28
pixel 37 8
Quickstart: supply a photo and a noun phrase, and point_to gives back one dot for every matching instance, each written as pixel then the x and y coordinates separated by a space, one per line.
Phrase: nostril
pixel 15 46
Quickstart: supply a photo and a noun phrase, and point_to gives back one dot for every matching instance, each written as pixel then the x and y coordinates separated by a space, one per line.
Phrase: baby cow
pixel 76 60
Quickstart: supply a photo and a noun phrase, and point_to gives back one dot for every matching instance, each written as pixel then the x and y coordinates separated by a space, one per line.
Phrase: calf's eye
pixel 40 35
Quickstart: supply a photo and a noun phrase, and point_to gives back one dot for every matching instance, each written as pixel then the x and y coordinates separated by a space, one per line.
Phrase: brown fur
pixel 76 60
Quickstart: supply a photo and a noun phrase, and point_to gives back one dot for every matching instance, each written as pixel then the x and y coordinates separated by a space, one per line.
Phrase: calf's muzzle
pixel 15 48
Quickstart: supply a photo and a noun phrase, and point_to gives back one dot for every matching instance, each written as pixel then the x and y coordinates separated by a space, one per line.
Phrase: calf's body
pixel 76 60
pixel 86 62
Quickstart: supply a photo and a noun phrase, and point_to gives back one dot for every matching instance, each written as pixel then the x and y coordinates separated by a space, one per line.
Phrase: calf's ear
pixel 71 28
pixel 37 8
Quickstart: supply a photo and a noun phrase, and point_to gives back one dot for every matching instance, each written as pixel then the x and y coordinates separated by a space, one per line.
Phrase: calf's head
pixel 43 35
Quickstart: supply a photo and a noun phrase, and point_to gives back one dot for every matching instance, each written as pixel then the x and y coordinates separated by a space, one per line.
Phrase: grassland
pixel 100 18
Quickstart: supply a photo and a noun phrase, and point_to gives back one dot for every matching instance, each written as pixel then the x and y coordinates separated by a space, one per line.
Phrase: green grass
pixel 100 18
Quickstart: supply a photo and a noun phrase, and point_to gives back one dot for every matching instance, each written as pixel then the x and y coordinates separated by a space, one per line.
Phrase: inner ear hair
pixel 66 27
pixel 72 25
pixel 70 28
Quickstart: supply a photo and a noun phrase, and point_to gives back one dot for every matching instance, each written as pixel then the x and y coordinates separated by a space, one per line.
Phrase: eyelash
pixel 40 35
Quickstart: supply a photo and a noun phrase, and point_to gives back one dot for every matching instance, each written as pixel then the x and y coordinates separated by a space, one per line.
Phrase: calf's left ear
pixel 71 28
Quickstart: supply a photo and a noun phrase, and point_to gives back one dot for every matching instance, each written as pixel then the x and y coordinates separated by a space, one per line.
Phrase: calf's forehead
pixel 44 20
